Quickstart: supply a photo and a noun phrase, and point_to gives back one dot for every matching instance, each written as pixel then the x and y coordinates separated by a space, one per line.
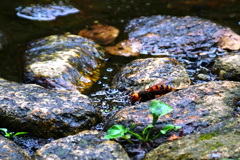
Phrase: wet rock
pixel 227 39
pixel 47 12
pixel 9 150
pixel 141 74
pixel 228 67
pixel 85 145
pixel 221 142
pixel 101 34
pixel 166 35
pixel 195 108
pixel 43 112
pixel 65 62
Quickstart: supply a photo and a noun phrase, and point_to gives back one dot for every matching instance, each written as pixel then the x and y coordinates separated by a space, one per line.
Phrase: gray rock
pixel 141 74
pixel 222 142
pixel 228 67
pixel 43 112
pixel 47 12
pixel 167 35
pixel 65 62
pixel 9 150
pixel 195 108
pixel 85 145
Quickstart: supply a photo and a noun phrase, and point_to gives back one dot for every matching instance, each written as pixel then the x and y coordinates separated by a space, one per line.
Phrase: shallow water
pixel 19 31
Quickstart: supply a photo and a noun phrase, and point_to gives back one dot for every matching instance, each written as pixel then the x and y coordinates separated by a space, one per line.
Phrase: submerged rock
pixel 9 150
pixel 84 145
pixel 195 108
pixel 228 67
pixel 141 74
pixel 221 142
pixel 101 34
pixel 47 12
pixel 166 35
pixel 43 112
pixel 65 62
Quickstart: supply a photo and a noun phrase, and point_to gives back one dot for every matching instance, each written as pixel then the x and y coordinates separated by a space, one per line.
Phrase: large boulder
pixel 9 150
pixel 65 62
pixel 84 145
pixel 43 112
pixel 195 108
pixel 166 35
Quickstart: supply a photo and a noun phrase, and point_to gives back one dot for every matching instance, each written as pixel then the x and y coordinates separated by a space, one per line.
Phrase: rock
pixel 228 67
pixel 65 62
pixel 9 150
pixel 47 12
pixel 43 112
pixel 141 74
pixel 85 145
pixel 101 34
pixel 227 39
pixel 220 143
pixel 195 108
pixel 167 35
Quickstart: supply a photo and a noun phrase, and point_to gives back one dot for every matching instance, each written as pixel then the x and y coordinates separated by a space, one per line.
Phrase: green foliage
pixel 10 135
pixel 157 109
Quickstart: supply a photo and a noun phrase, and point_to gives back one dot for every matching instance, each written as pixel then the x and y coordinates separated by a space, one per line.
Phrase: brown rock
pixel 101 34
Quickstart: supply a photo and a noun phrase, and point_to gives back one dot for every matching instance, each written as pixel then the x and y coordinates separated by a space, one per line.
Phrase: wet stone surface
pixel 194 42
pixel 141 74
pixel 43 112
pixel 10 150
pixel 84 145
pixel 228 67
pixel 222 141
pixel 46 12
pixel 195 108
pixel 63 62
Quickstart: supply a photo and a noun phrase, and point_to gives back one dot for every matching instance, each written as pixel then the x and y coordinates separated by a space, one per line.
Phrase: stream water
pixel 19 31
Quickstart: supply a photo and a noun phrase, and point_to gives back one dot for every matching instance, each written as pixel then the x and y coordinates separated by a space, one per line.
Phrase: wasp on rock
pixel 157 90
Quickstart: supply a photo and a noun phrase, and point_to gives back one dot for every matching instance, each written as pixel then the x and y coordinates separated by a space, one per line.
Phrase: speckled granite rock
pixel 195 108
pixel 228 67
pixel 43 112
pixel 167 35
pixel 221 142
pixel 85 145
pixel 10 151
pixel 65 62
pixel 141 74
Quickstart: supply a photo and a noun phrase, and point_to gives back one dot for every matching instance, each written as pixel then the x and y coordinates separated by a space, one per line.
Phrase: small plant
pixel 157 109
pixel 10 135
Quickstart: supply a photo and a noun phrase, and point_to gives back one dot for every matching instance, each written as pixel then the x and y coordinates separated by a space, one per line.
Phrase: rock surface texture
pixel 85 145
pixel 228 67
pixel 43 112
pixel 63 62
pixel 167 35
pixel 9 150
pixel 141 74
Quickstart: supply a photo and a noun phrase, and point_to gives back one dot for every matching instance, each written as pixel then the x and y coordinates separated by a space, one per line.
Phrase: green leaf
pixel 167 128
pixel 158 108
pixel 20 133
pixel 116 131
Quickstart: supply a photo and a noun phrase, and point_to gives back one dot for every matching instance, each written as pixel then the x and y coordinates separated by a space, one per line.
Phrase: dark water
pixel 19 31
